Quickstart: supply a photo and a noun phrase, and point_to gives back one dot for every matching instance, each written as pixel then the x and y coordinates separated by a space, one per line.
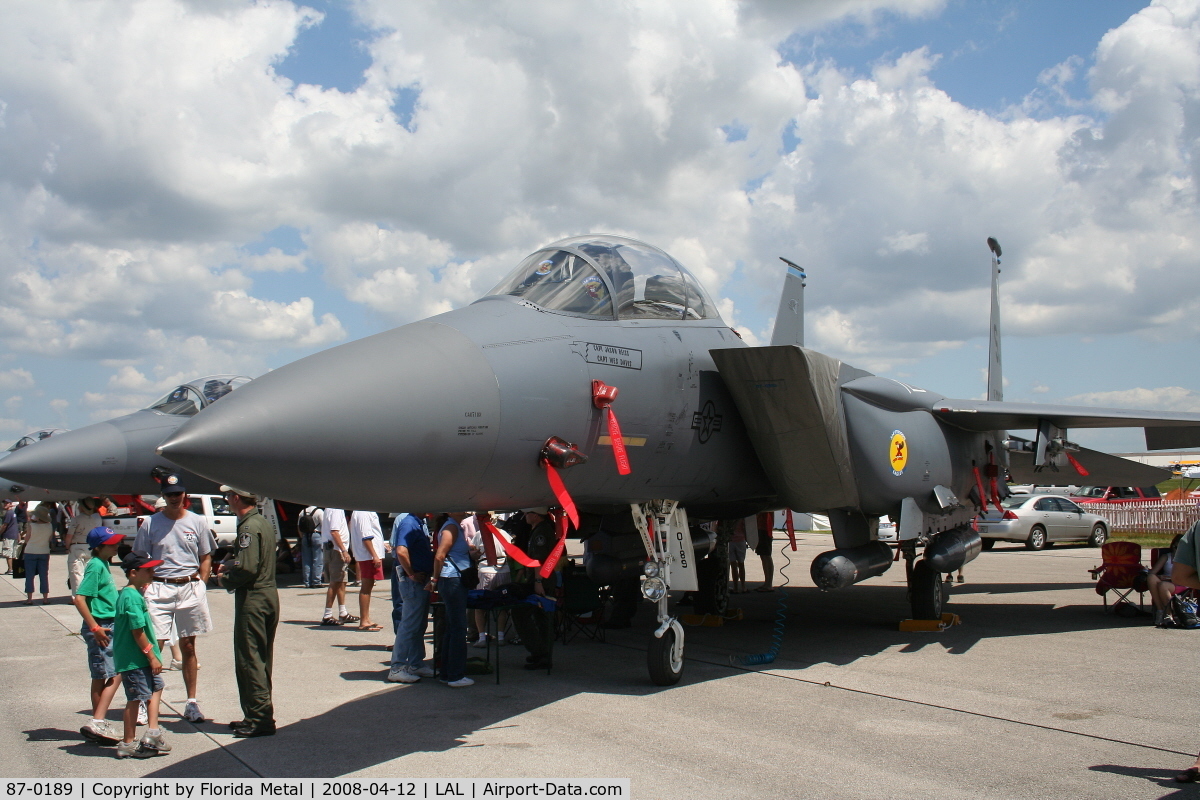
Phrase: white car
pixel 1040 520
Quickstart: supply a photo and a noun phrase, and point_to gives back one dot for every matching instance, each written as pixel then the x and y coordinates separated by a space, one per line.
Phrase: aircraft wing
pixel 1099 469
pixel 1165 430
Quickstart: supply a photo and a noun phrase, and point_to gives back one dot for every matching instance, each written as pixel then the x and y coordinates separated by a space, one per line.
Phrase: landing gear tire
pixel 988 544
pixel 1099 536
pixel 1037 538
pixel 926 591
pixel 665 659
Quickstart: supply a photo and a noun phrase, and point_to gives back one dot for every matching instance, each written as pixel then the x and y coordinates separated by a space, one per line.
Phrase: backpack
pixel 1183 606
pixel 307 522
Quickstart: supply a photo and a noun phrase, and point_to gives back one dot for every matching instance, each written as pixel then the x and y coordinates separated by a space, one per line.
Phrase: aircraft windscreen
pixel 647 282
pixel 189 398
pixel 559 280
pixel 34 438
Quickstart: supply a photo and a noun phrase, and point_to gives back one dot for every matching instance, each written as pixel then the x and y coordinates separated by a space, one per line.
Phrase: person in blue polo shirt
pixel 414 565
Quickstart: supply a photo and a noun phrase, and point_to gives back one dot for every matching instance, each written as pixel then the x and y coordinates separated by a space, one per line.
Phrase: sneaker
pixel 155 741
pixel 402 675
pixel 134 749
pixel 461 682
pixel 101 732
pixel 423 672
pixel 143 716
pixel 480 642
pixel 175 664
pixel 192 713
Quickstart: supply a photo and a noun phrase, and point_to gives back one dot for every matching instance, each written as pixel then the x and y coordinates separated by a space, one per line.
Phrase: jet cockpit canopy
pixel 34 438
pixel 608 277
pixel 187 399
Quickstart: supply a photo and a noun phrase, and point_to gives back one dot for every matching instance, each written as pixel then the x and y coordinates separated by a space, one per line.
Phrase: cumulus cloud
pixel 144 145
pixel 1167 398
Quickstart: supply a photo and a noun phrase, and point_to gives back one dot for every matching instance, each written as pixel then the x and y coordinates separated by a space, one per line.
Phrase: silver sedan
pixel 1041 519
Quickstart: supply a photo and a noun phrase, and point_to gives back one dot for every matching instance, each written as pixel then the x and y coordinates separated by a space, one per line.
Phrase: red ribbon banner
pixel 560 523
pixel 790 526
pixel 1078 467
pixel 561 494
pixel 515 553
pixel 983 498
pixel 603 396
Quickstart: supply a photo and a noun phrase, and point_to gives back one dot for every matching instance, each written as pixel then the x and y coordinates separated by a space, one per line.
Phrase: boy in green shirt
pixel 96 601
pixel 136 657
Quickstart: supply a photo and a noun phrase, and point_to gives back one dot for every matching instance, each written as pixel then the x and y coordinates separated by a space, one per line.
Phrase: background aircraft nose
pixel 403 420
pixel 93 458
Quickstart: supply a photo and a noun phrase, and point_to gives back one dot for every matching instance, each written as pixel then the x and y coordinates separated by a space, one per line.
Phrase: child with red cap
pixel 137 658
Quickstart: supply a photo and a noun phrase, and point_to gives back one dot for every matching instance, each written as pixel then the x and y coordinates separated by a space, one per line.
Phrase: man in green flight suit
pixel 251 574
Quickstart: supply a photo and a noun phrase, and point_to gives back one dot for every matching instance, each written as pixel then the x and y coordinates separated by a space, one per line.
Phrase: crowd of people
pixel 133 634
pixel 433 559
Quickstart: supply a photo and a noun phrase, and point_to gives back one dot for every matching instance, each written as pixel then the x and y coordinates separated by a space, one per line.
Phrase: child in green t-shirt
pixel 96 601
pixel 136 657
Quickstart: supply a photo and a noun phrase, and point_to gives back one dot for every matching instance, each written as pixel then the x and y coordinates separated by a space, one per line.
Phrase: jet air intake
pixel 846 566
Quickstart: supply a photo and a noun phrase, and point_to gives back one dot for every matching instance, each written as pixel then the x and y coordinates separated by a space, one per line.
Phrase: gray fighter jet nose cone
pixel 411 414
pixel 93 457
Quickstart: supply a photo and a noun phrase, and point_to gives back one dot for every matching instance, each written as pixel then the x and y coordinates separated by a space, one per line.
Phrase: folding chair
pixel 581 606
pixel 1121 573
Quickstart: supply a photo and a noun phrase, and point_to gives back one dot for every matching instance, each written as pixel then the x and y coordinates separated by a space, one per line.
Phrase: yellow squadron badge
pixel 898 453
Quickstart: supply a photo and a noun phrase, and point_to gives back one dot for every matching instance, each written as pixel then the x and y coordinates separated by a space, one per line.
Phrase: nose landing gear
pixel 671 564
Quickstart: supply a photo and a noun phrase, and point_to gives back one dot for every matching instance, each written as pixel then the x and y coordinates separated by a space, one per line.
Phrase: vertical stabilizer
pixel 789 320
pixel 995 376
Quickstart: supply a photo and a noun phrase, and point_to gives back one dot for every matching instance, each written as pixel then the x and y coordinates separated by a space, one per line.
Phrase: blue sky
pixel 335 169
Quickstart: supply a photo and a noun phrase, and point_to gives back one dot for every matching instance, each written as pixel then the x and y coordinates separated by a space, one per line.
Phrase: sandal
pixel 329 621
pixel 1189 775
pixel 368 628
pixel 346 619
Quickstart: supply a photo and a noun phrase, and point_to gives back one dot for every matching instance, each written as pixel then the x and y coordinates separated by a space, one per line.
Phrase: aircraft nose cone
pixel 403 420
pixel 90 459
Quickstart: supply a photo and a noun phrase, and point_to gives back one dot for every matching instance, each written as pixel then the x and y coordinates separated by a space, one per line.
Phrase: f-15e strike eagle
pixel 117 457
pixel 487 406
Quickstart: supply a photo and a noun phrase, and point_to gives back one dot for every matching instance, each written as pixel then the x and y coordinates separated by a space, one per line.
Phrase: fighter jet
pixel 21 493
pixel 118 457
pixel 600 375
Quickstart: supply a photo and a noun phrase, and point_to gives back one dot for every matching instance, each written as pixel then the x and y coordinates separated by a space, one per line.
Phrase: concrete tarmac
pixel 1039 693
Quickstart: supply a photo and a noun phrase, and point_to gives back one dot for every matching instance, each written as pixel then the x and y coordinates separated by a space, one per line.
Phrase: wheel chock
pixel 705 620
pixel 931 625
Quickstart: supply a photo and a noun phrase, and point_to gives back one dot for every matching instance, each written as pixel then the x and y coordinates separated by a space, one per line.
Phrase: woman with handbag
pixel 36 543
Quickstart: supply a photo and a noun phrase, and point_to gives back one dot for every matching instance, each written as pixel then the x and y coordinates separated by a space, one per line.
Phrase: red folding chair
pixel 1121 573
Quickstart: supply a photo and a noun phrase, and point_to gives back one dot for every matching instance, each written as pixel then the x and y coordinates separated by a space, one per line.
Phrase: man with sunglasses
pixel 177 599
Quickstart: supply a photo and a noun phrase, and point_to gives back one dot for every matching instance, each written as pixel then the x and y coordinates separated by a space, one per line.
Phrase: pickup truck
pixel 213 507
pixel 1114 494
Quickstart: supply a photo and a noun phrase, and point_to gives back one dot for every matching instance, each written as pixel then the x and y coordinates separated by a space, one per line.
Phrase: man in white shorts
pixel 177 599
pixel 335 539
pixel 490 577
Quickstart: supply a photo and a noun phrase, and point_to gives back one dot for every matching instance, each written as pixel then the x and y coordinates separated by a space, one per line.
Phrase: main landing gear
pixel 925 591
pixel 671 560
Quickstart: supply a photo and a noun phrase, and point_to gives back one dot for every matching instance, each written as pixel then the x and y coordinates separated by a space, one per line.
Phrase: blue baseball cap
pixel 98 537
